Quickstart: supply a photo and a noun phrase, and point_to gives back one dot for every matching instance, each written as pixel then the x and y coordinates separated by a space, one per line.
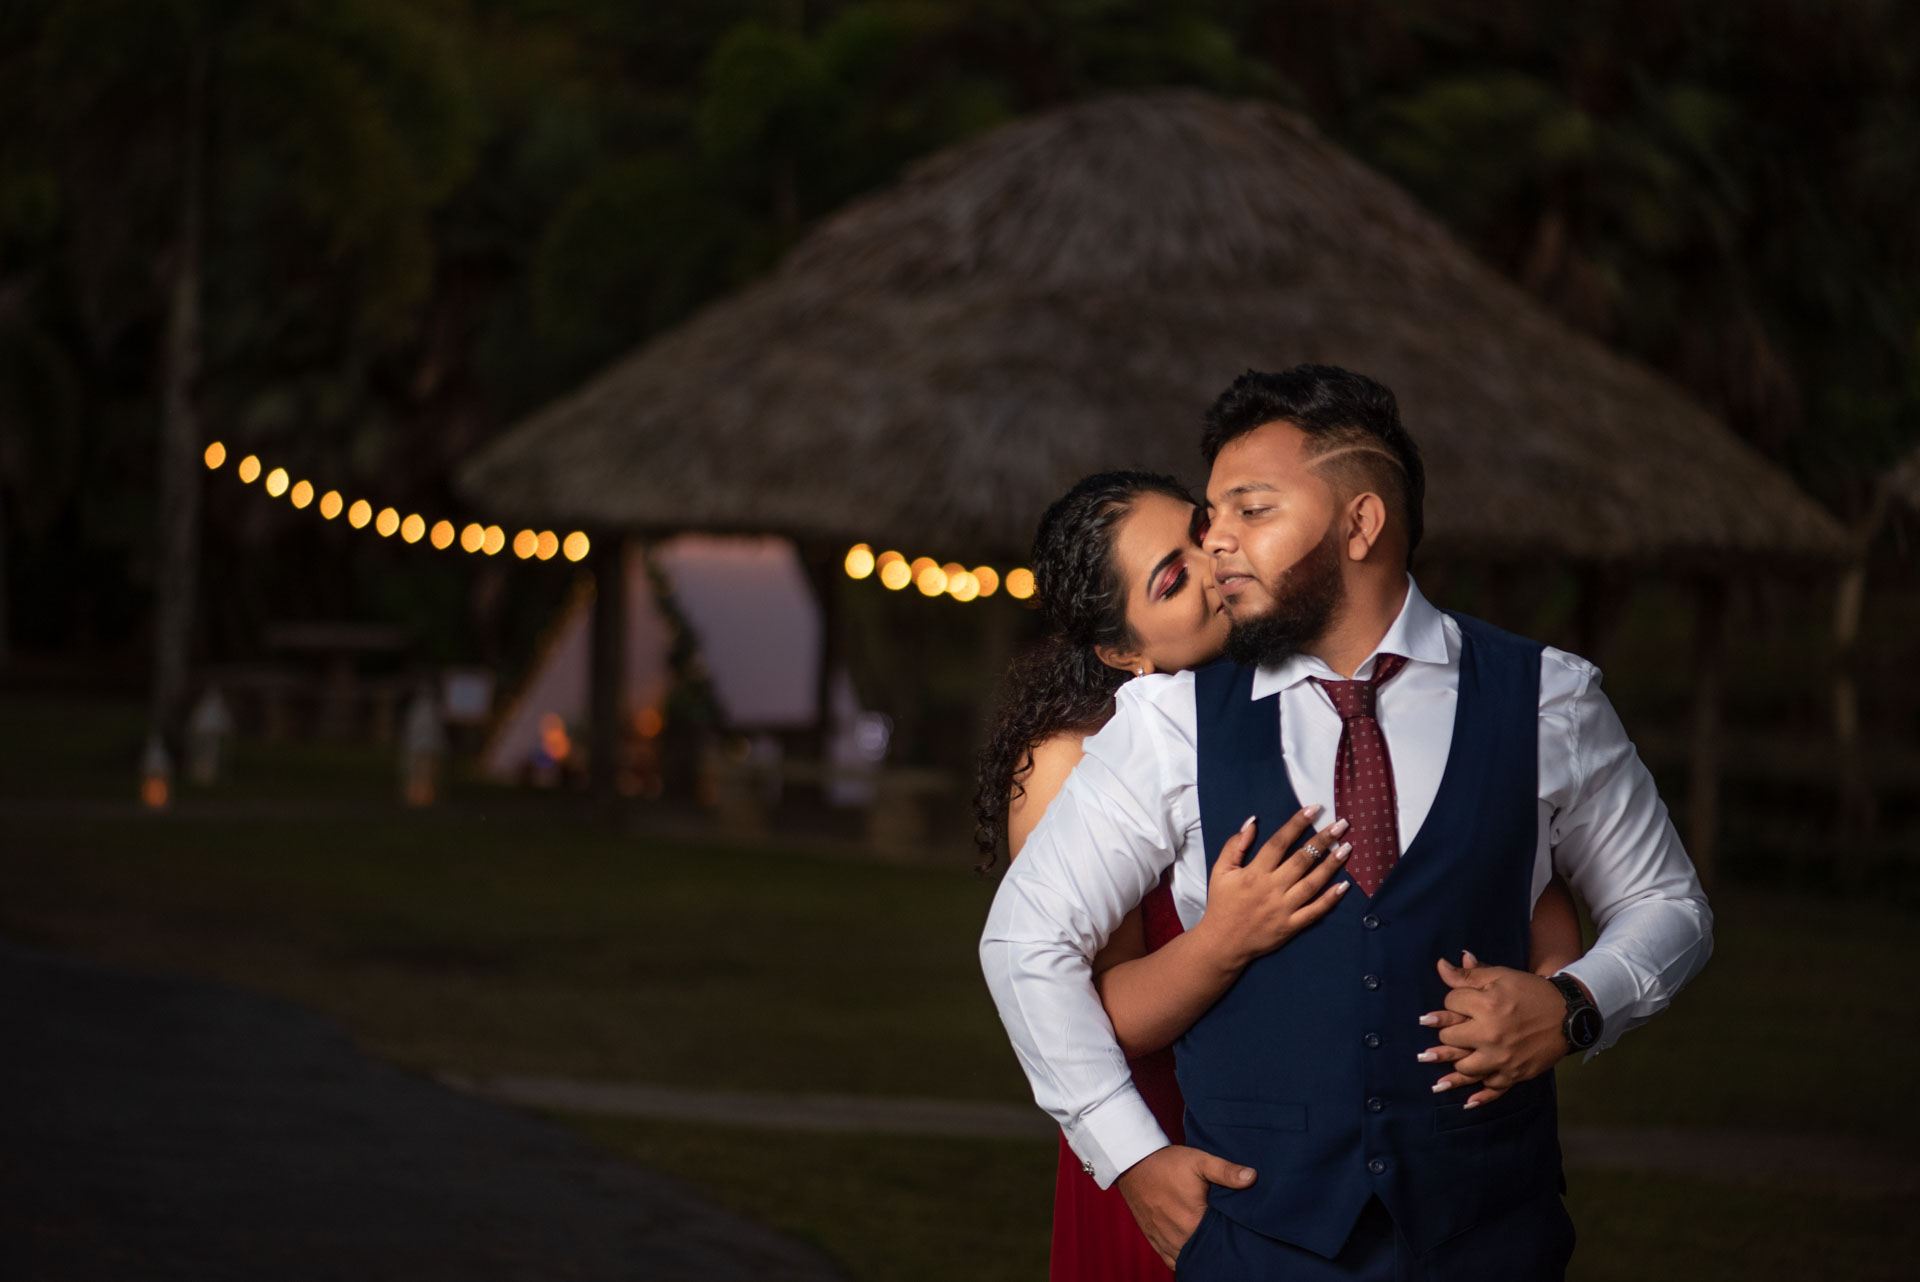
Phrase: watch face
pixel 1583 1027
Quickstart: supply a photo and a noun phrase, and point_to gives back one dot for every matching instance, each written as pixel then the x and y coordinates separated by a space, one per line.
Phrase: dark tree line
pixel 360 235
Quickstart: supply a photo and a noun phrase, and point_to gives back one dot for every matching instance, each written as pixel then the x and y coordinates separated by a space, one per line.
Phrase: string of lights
pixel 933 579
pixel 487 540
pixel 893 569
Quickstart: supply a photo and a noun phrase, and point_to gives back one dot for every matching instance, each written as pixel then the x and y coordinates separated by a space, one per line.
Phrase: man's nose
pixel 1218 538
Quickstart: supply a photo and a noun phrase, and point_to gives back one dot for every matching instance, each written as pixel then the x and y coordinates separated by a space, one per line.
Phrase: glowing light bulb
pixel 920 565
pixel 931 581
pixel 577 546
pixel 524 544
pixel 963 587
pixel 473 537
pixel 988 579
pixel 442 535
pixel 249 469
pixel 302 493
pixel 387 522
pixel 330 505
pixel 494 539
pixel 1020 583
pixel 414 528
pixel 359 514
pixel 886 559
pixel 895 574
pixel 546 545
pixel 277 481
pixel 859 561
pixel 216 455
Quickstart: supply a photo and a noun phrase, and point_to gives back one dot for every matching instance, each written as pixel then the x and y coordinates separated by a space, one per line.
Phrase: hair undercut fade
pixel 1351 422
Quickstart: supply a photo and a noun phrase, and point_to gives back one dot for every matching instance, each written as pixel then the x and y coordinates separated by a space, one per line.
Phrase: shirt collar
pixel 1417 632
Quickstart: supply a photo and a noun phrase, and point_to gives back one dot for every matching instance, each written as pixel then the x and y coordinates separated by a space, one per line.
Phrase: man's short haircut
pixel 1344 414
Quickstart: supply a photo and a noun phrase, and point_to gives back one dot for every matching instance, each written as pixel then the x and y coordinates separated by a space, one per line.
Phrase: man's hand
pixel 1167 1193
pixel 1500 1027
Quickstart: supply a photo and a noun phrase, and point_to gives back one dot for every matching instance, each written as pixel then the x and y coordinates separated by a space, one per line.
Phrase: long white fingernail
pixel 1429 1021
pixel 1441 1085
pixel 1469 958
pixel 1473 1103
pixel 1342 850
pixel 1249 823
pixel 1340 887
pixel 1310 813
pixel 1426 1057
pixel 1339 826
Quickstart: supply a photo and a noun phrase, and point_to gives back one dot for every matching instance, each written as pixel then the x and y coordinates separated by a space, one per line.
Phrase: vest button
pixel 1377 1167
pixel 1370 922
pixel 1375 1104
pixel 1371 981
pixel 1372 1040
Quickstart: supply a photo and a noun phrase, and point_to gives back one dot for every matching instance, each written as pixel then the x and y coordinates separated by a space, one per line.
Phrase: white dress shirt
pixel 1131 807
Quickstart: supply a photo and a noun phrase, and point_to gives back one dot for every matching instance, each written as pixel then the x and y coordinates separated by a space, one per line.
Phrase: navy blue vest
pixel 1305 1069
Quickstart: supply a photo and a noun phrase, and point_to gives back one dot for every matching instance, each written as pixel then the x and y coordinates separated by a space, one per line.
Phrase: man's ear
pixel 1125 660
pixel 1366 522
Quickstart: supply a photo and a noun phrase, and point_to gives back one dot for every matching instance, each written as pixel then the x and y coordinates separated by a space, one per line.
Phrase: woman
pixel 1125 591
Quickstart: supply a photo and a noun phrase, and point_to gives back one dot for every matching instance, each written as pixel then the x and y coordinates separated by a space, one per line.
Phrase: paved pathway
pixel 162 1129
pixel 1831 1164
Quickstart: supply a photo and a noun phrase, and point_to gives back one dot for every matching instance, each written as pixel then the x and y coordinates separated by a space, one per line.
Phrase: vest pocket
pixel 1266 1114
pixel 1453 1117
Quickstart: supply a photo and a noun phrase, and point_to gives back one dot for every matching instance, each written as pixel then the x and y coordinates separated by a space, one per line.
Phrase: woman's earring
pixel 1139 672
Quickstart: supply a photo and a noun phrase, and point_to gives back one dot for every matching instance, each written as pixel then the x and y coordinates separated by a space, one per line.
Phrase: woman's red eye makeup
pixel 1171 581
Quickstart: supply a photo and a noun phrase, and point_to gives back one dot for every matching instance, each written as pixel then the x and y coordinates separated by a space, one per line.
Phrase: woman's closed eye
pixel 1173 583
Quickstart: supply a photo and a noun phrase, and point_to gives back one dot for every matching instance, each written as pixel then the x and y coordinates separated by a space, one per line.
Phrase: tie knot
pixel 1356 698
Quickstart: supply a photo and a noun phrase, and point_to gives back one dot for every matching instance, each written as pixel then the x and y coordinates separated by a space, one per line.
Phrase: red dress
pixel 1095 1238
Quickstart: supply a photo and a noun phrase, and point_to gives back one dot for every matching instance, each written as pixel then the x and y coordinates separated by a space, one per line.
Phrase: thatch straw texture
pixel 935 363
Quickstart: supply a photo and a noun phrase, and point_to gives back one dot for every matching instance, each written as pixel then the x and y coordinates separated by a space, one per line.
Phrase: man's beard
pixel 1304 603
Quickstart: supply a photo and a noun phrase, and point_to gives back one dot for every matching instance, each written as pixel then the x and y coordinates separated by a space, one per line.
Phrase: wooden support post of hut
pixel 1703 787
pixel 1854 790
pixel 1602 596
pixel 1855 794
pixel 608 650
pixel 822 563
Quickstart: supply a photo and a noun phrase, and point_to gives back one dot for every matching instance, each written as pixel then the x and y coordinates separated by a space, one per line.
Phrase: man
pixel 1357 1105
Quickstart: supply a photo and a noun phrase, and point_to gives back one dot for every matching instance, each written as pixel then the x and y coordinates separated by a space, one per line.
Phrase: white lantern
pixel 156 775
pixel 423 748
pixel 208 728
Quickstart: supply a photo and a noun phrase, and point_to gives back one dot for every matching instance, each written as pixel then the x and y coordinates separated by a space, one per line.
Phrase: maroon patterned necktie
pixel 1363 792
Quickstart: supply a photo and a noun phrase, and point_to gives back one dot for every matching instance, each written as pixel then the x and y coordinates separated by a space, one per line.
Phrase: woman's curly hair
pixel 1062 684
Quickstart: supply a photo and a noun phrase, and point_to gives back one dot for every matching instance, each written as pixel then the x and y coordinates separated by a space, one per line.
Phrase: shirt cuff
pixel 1115 1134
pixel 1615 992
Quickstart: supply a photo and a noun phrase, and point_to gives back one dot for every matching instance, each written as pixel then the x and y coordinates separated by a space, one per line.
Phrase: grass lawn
pixel 479 939
pixel 941 1210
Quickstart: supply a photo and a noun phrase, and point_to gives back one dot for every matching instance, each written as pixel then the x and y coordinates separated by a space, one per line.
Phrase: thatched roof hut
pixel 932 365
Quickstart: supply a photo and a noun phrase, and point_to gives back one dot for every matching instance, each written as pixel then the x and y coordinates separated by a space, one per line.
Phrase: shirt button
pixel 1370 922
pixel 1088 1168
pixel 1371 981
pixel 1375 1104
pixel 1377 1167
pixel 1372 1040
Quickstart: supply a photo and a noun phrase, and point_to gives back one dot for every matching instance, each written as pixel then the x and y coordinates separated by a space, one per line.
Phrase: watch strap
pixel 1577 1001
